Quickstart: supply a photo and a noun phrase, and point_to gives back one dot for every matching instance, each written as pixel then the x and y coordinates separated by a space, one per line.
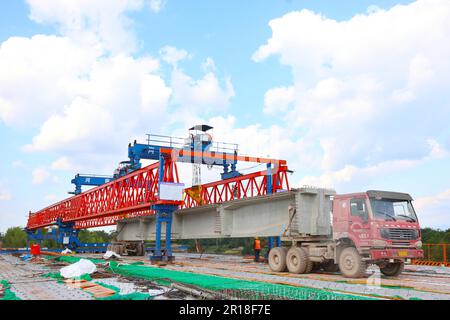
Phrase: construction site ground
pixel 28 280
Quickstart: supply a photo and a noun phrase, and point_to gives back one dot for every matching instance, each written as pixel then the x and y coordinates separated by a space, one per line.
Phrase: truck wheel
pixel 330 266
pixel 351 264
pixel 297 260
pixel 277 259
pixel 309 263
pixel 393 269
pixel 309 266
pixel 120 249
pixel 140 250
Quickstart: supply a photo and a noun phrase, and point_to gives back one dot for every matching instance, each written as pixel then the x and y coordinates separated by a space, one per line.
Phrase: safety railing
pixel 435 254
pixel 180 143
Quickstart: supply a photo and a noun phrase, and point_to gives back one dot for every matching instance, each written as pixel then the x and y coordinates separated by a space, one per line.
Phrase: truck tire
pixel 330 266
pixel 393 269
pixel 309 263
pixel 309 266
pixel 297 260
pixel 351 264
pixel 140 250
pixel 277 259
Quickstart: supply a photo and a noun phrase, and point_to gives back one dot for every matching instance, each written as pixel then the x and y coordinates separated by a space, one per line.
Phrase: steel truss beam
pixel 134 195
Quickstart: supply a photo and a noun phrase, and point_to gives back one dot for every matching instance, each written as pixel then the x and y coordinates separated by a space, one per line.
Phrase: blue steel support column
pixel 278 241
pixel 157 252
pixel 163 214
pixel 269 247
pixel 269 179
pixel 159 213
pixel 169 235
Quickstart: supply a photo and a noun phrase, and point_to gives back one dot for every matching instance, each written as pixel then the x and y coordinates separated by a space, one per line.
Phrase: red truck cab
pixel 379 226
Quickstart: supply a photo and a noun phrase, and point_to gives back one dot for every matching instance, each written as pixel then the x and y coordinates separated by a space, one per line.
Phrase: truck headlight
pixel 419 244
pixel 379 243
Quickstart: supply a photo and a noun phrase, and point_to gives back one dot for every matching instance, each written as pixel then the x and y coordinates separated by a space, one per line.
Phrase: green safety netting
pixel 72 259
pixel 8 294
pixel 118 296
pixel 57 276
pixel 229 286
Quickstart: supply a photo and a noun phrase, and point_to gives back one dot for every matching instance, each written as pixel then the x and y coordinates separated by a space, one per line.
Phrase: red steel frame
pixel 134 194
pixel 246 186
pixel 98 207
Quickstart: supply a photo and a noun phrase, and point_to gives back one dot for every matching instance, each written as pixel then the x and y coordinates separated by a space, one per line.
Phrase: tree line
pixel 17 238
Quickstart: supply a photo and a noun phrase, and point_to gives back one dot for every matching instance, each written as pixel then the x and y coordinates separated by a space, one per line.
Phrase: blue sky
pixel 354 94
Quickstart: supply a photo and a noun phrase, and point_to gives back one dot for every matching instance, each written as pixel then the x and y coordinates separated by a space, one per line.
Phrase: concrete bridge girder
pixel 263 216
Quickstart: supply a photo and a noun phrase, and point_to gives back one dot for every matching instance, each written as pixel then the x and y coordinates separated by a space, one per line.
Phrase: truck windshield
pixel 390 209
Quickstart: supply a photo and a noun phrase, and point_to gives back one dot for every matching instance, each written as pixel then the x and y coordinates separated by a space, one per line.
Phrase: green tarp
pixel 229 286
pixel 8 294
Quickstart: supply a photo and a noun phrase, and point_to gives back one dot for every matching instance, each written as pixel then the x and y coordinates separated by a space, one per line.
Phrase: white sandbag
pixel 78 269
pixel 111 254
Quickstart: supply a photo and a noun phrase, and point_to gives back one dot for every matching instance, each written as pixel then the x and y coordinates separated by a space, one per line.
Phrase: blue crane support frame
pixel 67 236
pixel 163 213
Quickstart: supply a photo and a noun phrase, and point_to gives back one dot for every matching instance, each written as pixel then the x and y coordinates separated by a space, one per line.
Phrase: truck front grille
pixel 400 243
pixel 400 234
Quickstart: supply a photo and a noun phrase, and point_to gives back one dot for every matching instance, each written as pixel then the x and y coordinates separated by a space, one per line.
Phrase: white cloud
pixel 5 195
pixel 89 21
pixel 80 122
pixel 204 94
pixel 278 100
pixel 373 9
pixel 105 111
pixel 152 84
pixel 40 175
pixel 51 197
pixel 62 163
pixel 353 175
pixel 356 175
pixel 434 210
pixel 93 104
pixel 437 199
pixel 46 68
pixel 157 5
pixel 173 55
pixel 365 83
pixel 209 65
